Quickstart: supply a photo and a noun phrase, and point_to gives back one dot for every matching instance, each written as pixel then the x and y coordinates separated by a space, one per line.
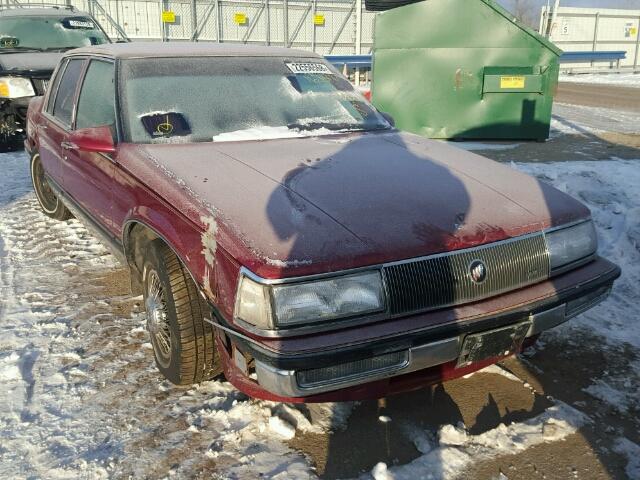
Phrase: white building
pixel 596 29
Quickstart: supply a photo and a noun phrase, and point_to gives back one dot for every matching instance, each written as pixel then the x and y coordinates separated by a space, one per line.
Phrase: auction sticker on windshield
pixel 309 68
pixel 83 23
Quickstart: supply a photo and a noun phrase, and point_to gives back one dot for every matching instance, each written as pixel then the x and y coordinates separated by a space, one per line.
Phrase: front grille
pixel 445 280
pixel 40 85
pixel 359 368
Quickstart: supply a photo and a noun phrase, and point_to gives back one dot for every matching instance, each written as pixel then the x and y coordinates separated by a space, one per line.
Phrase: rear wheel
pixel 48 200
pixel 183 343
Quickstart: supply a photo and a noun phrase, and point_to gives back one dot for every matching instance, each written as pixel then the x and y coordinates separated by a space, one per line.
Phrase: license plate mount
pixel 499 342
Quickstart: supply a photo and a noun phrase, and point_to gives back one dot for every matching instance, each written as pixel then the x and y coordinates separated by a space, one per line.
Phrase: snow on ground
pixel 618 79
pixel 577 120
pixel 82 398
pixel 610 189
pixel 457 450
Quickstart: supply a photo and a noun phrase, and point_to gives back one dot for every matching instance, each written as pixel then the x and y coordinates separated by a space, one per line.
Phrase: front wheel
pixel 183 343
pixel 48 200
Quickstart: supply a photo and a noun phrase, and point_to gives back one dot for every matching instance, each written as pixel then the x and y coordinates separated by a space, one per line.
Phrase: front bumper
pixel 287 383
pixel 410 358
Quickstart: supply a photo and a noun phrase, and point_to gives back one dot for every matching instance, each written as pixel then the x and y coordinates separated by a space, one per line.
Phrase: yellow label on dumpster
pixel 240 18
pixel 168 16
pixel 511 82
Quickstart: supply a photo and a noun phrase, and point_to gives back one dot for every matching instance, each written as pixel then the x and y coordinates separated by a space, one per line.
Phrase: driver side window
pixel 96 105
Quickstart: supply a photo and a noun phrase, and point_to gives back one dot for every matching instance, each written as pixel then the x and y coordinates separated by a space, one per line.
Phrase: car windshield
pixel 48 33
pixel 204 99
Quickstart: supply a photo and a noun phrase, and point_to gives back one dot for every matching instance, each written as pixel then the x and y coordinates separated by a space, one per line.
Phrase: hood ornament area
pixel 478 271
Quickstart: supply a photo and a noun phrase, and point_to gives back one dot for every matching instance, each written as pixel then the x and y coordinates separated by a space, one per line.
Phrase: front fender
pixel 181 235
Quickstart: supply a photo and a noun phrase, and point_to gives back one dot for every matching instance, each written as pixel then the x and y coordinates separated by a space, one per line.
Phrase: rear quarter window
pixel 65 94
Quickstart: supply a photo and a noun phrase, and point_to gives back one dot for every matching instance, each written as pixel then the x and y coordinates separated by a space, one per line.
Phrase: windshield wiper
pixel 57 49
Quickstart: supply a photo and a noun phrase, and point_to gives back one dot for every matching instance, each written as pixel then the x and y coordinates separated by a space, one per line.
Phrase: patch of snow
pixel 617 79
pixel 607 393
pixel 287 263
pixel 585 121
pixel 269 133
pixel 631 450
pixel 278 426
pixel 81 395
pixel 610 190
pixel 457 449
pixel 472 146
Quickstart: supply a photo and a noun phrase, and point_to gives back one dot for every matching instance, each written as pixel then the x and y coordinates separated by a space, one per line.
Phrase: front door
pixel 88 176
pixel 58 114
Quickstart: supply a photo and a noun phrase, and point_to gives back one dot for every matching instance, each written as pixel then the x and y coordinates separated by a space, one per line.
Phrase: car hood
pixel 29 62
pixel 310 205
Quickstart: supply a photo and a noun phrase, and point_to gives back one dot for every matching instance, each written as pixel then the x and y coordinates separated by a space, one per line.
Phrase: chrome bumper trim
pixel 284 382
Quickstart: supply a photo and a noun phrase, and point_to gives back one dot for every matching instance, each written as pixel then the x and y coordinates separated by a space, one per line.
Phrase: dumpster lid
pixel 509 16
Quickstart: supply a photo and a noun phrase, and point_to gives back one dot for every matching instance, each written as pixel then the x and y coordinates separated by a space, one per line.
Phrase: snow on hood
pixel 269 133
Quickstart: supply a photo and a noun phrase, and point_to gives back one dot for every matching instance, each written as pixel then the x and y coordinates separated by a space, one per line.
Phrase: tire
pixel 49 202
pixel 382 5
pixel 183 343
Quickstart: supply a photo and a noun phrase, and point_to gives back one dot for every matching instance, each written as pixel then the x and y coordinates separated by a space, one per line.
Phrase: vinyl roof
pixel 188 49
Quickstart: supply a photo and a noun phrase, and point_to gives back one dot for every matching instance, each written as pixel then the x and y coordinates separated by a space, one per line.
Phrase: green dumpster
pixel 463 69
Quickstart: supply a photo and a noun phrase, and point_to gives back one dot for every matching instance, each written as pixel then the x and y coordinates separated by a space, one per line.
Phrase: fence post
pixel 313 25
pixel 285 26
pixel 267 34
pixel 358 36
pixel 194 21
pixel 595 34
pixel 635 58
pixel 165 31
pixel 218 22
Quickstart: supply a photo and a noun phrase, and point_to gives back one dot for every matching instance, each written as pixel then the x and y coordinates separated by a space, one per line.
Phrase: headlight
pixel 289 305
pixel 15 87
pixel 568 245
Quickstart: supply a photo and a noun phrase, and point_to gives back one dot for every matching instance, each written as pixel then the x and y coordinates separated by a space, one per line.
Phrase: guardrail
pixel 364 61
pixel 586 57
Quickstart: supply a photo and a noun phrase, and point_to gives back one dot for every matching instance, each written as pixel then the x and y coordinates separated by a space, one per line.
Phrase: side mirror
pixel 388 118
pixel 93 139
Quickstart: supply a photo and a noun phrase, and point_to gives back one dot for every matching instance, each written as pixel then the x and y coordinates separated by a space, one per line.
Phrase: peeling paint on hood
pixel 209 244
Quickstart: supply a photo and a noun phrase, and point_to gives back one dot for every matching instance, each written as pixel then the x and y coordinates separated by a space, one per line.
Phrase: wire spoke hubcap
pixel 157 319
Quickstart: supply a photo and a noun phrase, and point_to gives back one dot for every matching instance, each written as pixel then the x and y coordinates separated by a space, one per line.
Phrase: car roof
pixel 188 49
pixel 43 12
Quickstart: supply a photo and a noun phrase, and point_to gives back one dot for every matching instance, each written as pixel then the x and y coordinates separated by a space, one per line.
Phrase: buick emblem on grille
pixel 477 271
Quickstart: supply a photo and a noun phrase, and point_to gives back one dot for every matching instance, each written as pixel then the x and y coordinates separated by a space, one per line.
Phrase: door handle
pixel 68 146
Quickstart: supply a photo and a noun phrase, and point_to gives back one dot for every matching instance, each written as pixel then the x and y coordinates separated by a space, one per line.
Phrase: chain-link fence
pixel 324 26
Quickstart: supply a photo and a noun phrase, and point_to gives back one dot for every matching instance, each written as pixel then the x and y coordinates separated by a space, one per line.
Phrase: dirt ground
pixel 619 98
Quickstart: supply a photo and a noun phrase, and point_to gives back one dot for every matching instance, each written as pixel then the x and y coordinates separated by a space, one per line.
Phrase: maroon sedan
pixel 283 233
